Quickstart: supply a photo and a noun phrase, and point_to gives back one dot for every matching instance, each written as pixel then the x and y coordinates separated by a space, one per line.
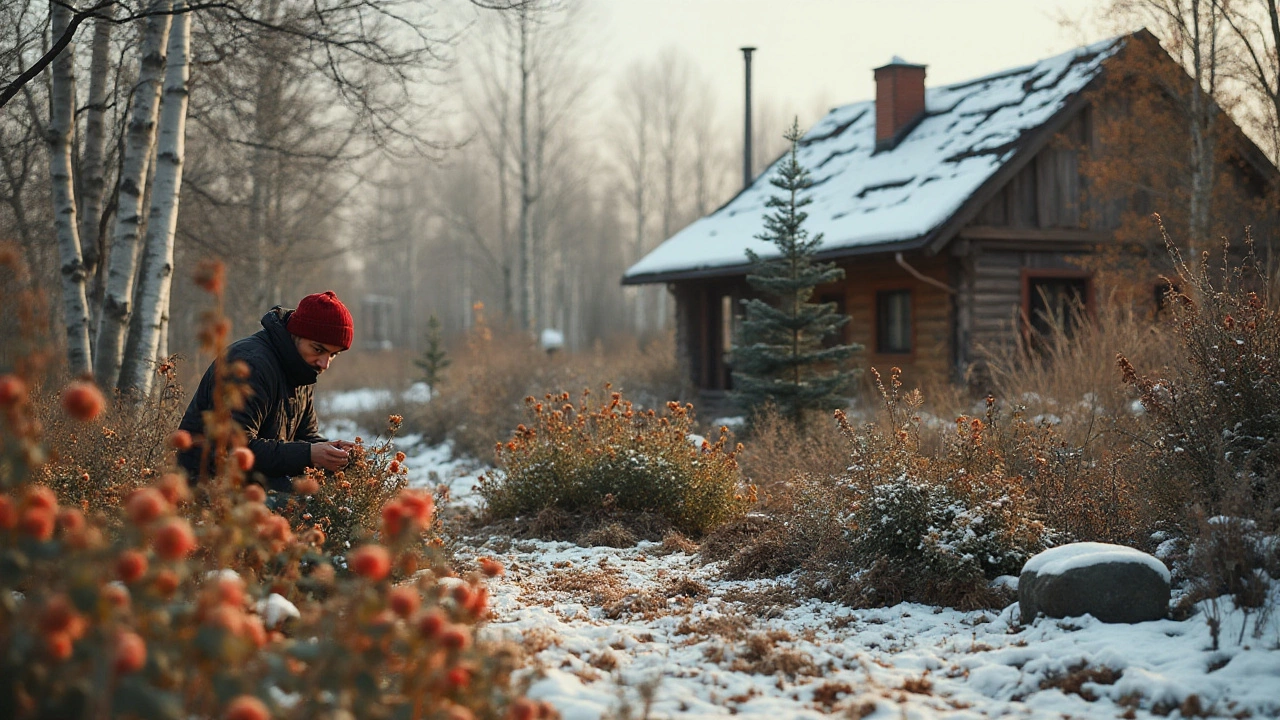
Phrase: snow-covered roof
pixel 865 198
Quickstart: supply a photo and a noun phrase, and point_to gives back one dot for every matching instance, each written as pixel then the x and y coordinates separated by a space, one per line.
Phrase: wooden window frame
pixel 1032 274
pixel 913 322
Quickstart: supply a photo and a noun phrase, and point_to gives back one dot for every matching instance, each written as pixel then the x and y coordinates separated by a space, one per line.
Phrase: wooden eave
pixel 743 268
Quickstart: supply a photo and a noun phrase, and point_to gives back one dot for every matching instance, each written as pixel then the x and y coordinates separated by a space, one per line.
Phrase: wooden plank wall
pixel 992 297
pixel 931 315
pixel 1049 192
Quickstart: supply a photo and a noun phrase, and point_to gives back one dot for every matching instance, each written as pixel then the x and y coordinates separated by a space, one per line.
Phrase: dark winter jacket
pixel 278 417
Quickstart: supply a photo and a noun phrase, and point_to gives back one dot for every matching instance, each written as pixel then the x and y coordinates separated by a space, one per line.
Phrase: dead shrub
pixel 761 655
pixel 608 457
pixel 674 541
pixel 1213 406
pixel 920 686
pixel 898 523
pixel 604 660
pixel 776 453
pixel 686 587
pixel 829 693
pixel 645 604
pixel 614 534
pixel 1074 680
pixel 94 464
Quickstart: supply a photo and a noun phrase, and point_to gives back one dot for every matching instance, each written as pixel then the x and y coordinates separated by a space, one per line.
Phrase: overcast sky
pixel 820 53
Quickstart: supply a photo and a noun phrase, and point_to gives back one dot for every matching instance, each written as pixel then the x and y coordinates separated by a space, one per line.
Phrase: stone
pixel 1113 583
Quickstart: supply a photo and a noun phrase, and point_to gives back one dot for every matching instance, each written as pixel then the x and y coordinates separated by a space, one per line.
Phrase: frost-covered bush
pixel 1214 410
pixel 588 458
pixel 940 541
pixel 934 528
pixel 900 523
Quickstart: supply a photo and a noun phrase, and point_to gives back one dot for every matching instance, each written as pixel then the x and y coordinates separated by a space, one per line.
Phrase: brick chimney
pixel 899 101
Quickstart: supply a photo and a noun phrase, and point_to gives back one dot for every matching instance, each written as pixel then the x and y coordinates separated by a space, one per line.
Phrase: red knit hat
pixel 322 317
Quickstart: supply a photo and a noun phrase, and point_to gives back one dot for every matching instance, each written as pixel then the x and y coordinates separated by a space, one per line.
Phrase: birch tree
pixel 92 166
pixel 153 304
pixel 62 104
pixel 527 196
pixel 24 163
pixel 1255 34
pixel 1192 31
pixel 139 144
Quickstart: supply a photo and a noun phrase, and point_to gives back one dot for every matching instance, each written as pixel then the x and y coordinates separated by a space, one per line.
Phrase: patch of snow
pixel 1007 582
pixel 551 339
pixel 275 609
pixel 733 422
pixel 351 402
pixel 693 653
pixel 418 392
pixel 1056 561
pixel 355 402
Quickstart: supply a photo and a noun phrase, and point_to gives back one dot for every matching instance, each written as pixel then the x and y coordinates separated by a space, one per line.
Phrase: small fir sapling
pixel 780 356
pixel 433 360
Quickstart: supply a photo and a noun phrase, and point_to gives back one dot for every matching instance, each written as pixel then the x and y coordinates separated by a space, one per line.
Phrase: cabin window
pixel 893 322
pixel 1054 304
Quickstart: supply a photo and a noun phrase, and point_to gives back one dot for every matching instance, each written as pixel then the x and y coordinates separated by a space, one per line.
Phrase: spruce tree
pixel 433 360
pixel 780 356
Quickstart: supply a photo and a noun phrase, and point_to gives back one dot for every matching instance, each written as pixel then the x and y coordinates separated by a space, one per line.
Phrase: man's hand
pixel 344 444
pixel 328 455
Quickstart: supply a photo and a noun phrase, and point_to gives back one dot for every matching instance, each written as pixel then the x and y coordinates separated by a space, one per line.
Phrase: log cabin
pixel 960 215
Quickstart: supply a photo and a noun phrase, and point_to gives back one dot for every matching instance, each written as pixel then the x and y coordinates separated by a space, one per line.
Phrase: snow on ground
pixel 611 629
pixel 607 623
pixel 350 402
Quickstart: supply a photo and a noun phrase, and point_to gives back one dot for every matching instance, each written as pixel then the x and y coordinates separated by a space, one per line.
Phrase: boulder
pixel 1113 583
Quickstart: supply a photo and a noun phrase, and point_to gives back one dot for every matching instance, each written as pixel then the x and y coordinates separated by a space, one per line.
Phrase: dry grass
pixel 596 587
pixel 390 369
pixel 675 541
pixel 96 464
pixel 1074 680
pixel 776 453
pixel 1075 378
pixel 481 398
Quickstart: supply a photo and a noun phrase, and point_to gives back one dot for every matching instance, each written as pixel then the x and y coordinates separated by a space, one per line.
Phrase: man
pixel 278 418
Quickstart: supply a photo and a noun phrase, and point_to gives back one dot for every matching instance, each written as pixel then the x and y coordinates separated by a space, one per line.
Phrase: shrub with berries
pixel 584 457
pixel 179 602
pixel 348 505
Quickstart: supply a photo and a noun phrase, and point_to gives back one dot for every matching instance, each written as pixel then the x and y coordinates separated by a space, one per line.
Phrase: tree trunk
pixel 153 305
pixel 62 107
pixel 266 109
pixel 92 169
pixel 122 261
pixel 1203 111
pixel 526 197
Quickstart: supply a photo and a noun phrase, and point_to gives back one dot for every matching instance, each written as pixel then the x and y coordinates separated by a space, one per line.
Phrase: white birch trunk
pixel 62 106
pixel 528 320
pixel 122 264
pixel 153 304
pixel 92 169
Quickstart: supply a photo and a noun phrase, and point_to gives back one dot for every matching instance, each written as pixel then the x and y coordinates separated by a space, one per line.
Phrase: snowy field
pixel 643 632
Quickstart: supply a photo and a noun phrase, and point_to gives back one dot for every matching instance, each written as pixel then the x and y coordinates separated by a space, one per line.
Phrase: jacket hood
pixel 296 371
